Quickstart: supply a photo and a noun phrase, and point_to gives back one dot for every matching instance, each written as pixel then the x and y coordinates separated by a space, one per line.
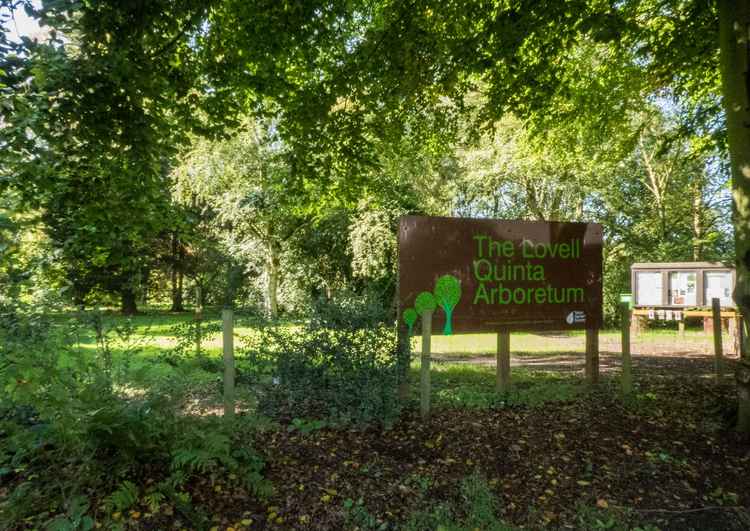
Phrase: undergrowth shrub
pixel 479 509
pixel 76 436
pixel 350 311
pixel 346 375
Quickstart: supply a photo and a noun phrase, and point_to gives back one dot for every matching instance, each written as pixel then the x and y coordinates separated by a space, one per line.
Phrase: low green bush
pixel 349 310
pixel 345 375
pixel 76 436
pixel 479 510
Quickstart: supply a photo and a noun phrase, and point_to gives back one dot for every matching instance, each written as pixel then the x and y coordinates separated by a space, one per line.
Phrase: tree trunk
pixel 697 219
pixel 272 269
pixel 128 301
pixel 145 278
pixel 734 21
pixel 177 256
pixel 180 305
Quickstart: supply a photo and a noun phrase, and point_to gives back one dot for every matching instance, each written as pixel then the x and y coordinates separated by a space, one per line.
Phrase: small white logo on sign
pixel 576 317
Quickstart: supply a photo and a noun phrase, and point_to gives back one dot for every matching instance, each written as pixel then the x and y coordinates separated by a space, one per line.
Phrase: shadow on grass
pixel 473 386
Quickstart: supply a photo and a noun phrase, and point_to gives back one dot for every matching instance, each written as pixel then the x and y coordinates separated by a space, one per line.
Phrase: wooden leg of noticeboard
pixel 592 356
pixel 424 371
pixel 627 371
pixel 718 354
pixel 503 362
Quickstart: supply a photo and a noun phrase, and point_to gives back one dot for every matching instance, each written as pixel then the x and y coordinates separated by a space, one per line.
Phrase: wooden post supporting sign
pixel 227 318
pixel 718 361
pixel 424 372
pixel 503 362
pixel 627 370
pixel 592 355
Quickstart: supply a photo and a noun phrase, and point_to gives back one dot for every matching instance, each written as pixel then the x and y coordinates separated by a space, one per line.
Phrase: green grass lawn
pixel 563 342
pixel 155 335
pixel 145 357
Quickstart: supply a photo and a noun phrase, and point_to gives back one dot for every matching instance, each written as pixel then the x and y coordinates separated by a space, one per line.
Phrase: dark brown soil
pixel 667 457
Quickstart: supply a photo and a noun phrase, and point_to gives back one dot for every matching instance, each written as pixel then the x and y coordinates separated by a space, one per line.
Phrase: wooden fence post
pixel 718 361
pixel 227 318
pixel 424 387
pixel 503 362
pixel 592 355
pixel 627 369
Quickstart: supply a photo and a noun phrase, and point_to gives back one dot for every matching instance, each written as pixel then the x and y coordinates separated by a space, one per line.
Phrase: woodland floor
pixel 556 454
pixel 666 457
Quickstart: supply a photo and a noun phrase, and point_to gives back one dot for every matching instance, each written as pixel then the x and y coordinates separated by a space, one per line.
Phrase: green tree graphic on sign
pixel 447 295
pixel 425 303
pixel 410 317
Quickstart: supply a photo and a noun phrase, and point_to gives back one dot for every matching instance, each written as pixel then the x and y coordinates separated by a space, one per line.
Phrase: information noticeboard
pixel 483 275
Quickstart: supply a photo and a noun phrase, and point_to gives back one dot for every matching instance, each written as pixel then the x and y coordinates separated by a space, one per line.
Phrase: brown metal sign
pixel 483 275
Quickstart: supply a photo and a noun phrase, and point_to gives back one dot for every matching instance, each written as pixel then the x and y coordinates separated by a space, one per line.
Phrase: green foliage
pixel 348 310
pixel 342 375
pixel 245 181
pixel 469 386
pixel 479 509
pixel 590 518
pixel 69 413
pixel 425 302
pixel 122 92
pixel 306 426
pixel 124 497
pixel 75 517
pixel 357 516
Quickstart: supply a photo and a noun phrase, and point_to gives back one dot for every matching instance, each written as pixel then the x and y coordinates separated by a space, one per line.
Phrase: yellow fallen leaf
pixel 135 515
pixel 325 498
pixel 247 521
pixel 602 504
pixel 583 483
pixel 304 519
